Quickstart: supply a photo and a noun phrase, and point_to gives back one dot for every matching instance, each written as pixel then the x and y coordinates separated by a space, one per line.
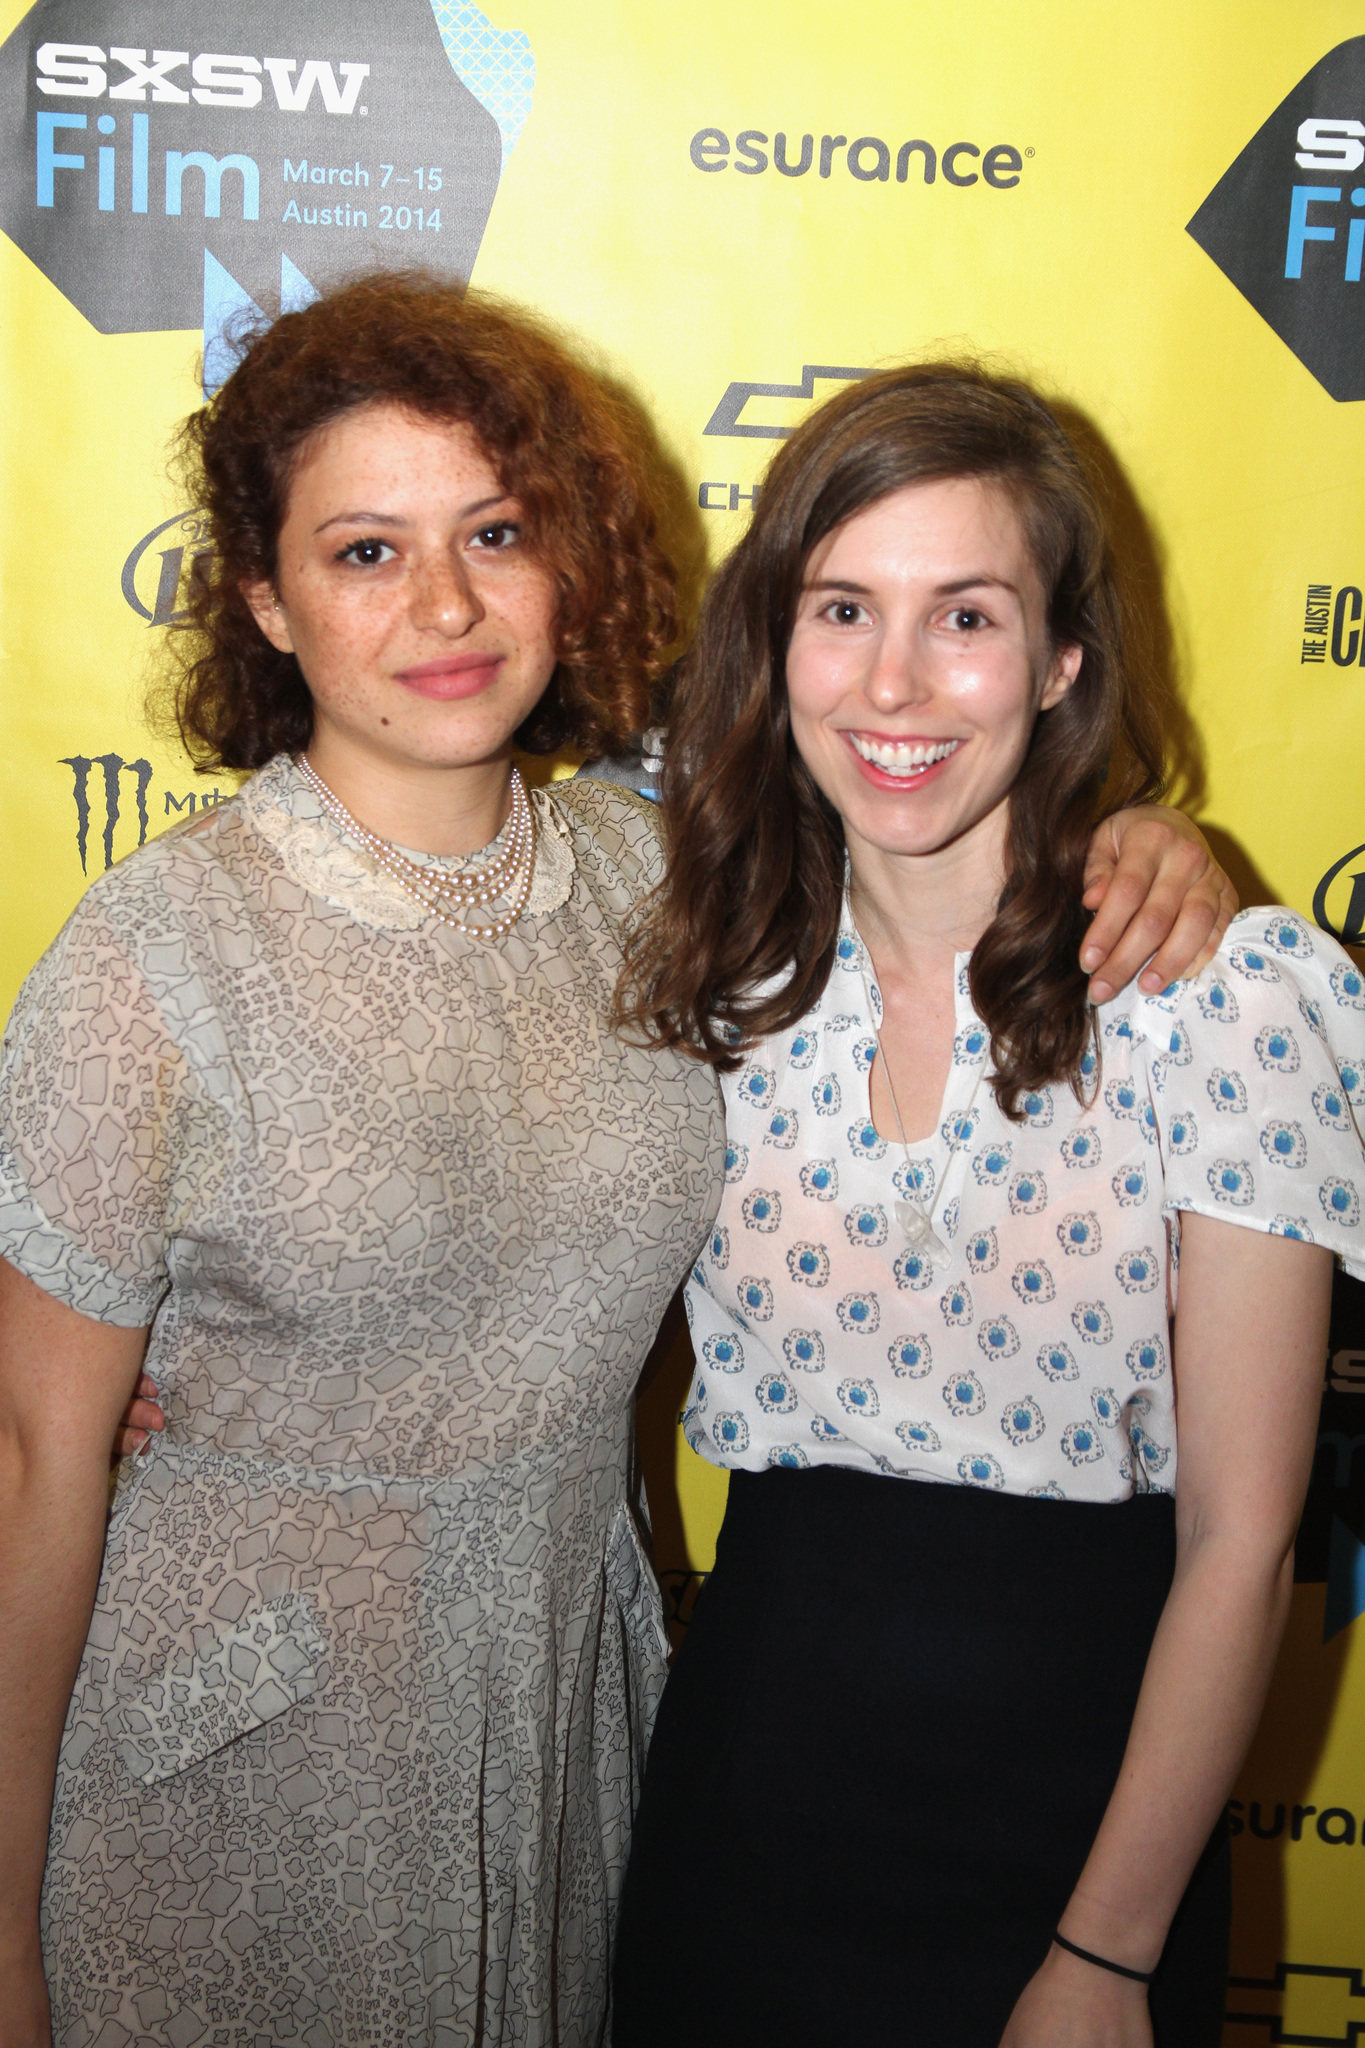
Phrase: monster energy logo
pixel 115 767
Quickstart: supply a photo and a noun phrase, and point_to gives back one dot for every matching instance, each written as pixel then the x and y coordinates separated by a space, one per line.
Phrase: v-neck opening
pixel 934 1136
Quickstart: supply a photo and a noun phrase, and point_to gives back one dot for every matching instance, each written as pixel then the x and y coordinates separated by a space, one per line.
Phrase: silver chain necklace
pixel 439 893
pixel 920 1233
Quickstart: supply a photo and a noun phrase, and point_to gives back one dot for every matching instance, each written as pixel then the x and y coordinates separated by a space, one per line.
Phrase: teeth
pixel 903 757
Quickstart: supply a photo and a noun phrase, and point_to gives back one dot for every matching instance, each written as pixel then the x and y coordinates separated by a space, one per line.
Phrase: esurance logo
pixel 160 185
pixel 1286 222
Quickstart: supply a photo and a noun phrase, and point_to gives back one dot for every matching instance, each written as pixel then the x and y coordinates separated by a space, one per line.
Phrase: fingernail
pixel 1091 956
pixel 1150 983
pixel 1100 992
pixel 146 1439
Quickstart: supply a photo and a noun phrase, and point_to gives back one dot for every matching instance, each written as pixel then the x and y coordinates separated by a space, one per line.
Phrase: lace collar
pixel 325 861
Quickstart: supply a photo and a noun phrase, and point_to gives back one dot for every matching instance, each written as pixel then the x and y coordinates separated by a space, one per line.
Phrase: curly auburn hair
pixel 573 452
pixel 740 939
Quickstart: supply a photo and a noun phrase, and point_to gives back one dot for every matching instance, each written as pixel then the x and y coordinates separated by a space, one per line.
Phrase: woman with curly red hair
pixel 315 1108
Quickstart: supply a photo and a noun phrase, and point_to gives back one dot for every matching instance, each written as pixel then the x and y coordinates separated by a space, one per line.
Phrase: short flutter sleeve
pixel 94 1096
pixel 1258 1085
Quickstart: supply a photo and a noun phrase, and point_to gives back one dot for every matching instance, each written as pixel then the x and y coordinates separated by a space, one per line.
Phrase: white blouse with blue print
pixel 1037 1359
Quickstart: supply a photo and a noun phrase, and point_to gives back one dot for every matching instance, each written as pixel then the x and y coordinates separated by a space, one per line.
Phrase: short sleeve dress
pixel 354 1746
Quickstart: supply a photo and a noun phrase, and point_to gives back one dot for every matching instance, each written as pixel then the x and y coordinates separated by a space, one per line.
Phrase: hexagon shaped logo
pixel 1286 222
pixel 163 161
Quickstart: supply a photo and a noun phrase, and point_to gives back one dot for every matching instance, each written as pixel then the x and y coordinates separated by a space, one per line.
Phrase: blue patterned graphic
pixel 1082 1147
pixel 991 1165
pixel 724 1352
pixel 867 1227
pixel 1284 1144
pixel 820 1179
pixel 914 1270
pixel 808 1264
pixel 1146 1359
pixel 919 1436
pixel 762 1210
pixel 805 1045
pixel 776 1395
pixel 1033 1282
pixel 805 1349
pixel 496 65
pixel 911 1357
pixel 964 1394
pixel 859 1314
pixel 998 1338
pixel 1023 1422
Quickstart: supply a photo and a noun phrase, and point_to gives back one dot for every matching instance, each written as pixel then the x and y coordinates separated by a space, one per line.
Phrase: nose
pixel 444 599
pixel 899 677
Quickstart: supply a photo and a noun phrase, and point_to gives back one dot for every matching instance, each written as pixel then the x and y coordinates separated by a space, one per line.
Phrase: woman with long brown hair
pixel 942 1759
pixel 315 1108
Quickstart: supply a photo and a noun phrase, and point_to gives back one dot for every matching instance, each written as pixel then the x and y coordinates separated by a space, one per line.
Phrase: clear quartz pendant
pixel 920 1234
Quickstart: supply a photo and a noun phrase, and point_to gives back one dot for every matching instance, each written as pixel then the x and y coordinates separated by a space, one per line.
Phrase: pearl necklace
pixel 439 893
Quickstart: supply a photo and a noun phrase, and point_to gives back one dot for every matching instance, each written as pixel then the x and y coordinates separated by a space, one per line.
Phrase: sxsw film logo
pixel 159 184
pixel 1286 223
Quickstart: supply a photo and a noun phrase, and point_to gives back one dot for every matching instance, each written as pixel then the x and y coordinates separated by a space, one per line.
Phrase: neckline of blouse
pixel 964 1014
pixel 325 859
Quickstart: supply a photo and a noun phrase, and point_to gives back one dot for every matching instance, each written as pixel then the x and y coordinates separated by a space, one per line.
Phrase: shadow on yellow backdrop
pixel 644 211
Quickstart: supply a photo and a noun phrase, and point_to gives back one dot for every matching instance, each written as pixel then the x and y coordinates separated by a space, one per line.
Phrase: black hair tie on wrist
pixel 1103 1962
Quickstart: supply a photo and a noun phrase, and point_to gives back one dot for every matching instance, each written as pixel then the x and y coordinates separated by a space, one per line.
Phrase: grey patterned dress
pixel 354 1747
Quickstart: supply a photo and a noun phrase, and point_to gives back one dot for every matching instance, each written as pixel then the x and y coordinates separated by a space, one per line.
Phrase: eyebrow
pixel 940 590
pixel 363 518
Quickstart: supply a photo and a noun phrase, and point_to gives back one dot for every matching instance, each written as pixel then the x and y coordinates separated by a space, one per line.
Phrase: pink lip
pixel 457 675
pixel 902 785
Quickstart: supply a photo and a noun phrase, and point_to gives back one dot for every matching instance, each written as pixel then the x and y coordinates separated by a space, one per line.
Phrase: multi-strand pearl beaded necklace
pixel 441 894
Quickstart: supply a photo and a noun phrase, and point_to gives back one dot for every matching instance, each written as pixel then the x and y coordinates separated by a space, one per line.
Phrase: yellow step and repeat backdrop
pixel 1156 209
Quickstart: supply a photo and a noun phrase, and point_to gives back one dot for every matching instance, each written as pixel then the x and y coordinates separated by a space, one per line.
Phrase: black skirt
pixel 880 1763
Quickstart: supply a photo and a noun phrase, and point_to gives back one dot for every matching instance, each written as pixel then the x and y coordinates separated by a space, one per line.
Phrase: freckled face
pixel 423 624
pixel 919 661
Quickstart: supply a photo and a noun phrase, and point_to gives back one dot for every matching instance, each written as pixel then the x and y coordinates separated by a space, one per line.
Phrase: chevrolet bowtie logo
pixel 1304 2005
pixel 726 417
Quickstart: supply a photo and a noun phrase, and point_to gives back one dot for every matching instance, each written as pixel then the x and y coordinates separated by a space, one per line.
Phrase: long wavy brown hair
pixel 740 938
pixel 570 449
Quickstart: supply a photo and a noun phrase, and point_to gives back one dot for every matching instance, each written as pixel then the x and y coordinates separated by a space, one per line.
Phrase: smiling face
pixel 919 660
pixel 423 624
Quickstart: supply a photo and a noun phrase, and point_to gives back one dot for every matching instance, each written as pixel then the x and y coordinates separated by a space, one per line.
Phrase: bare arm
pixel 1157 890
pixel 63 1383
pixel 1250 1335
